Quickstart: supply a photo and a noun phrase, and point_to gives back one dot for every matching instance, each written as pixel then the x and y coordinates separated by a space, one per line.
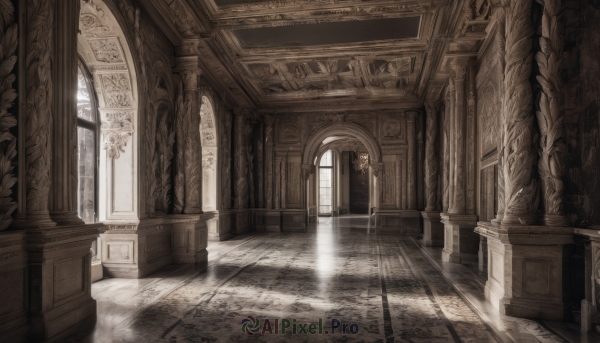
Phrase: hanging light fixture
pixel 361 162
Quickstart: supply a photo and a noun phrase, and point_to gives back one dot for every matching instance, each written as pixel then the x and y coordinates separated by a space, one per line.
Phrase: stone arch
pixel 341 129
pixel 105 49
pixel 210 156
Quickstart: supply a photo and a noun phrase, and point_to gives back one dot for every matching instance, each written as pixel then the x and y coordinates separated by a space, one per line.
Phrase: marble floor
pixel 338 273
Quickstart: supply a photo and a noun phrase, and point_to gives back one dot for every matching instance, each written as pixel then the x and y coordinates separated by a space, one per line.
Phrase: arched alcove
pixel 106 52
pixel 210 160
pixel 323 139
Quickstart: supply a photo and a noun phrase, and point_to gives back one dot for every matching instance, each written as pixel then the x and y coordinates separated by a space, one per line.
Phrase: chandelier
pixel 361 162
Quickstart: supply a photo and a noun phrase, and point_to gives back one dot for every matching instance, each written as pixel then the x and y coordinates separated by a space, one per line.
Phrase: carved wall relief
pixel 117 128
pixel 8 151
pixel 165 141
pixel 107 50
pixel 117 90
pixel 289 132
pixel 226 141
pixel 392 129
pixel 180 138
pixel 431 157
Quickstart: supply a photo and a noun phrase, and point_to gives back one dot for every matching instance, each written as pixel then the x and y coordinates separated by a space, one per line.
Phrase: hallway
pixel 336 270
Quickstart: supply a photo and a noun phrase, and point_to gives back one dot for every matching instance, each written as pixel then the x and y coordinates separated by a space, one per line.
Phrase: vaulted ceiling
pixel 323 55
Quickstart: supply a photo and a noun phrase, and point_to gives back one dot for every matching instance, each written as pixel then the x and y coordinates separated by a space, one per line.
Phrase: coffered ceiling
pixel 322 55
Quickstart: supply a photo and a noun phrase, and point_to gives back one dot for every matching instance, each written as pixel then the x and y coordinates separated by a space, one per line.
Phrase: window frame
pixel 95 128
pixel 330 168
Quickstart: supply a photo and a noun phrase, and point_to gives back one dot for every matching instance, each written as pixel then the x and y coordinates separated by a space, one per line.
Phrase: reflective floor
pixel 339 276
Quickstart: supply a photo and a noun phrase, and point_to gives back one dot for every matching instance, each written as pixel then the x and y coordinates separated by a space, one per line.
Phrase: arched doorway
pixel 326 137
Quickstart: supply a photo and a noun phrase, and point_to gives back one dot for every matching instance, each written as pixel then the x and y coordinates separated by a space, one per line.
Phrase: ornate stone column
pixel 277 195
pixel 460 239
pixel 446 154
pixel 431 157
pixel 284 181
pixel 187 68
pixel 517 249
pixel 412 160
pixel 260 165
pixel 59 259
pixel 268 121
pixel 451 143
pixel 240 188
pixel 550 114
pixel 64 173
pixel 458 204
pixel 433 230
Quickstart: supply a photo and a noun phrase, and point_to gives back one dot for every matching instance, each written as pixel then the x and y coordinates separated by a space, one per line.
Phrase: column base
pixel 460 242
pixel 13 283
pixel 60 280
pixel 526 269
pixel 433 229
pixel 219 227
pixel 398 222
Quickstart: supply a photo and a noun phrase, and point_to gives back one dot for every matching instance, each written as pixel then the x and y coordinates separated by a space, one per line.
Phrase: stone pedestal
pixel 293 220
pixel 398 222
pixel 589 305
pixel 525 263
pixel 219 226
pixel 272 220
pixel 136 250
pixel 433 229
pixel 460 241
pixel 13 278
pixel 59 280
pixel 189 238
pixel 242 220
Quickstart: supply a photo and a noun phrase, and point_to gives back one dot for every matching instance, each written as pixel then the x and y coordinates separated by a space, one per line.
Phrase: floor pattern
pixel 337 277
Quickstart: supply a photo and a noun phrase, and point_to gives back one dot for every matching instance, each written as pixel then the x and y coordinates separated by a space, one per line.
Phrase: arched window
pixel 87 147
pixel 326 183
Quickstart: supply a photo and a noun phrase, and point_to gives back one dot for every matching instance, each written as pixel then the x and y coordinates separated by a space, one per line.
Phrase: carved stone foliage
pixel 39 108
pixel 225 134
pixel 550 113
pixel 117 90
pixel 165 139
pixel 521 189
pixel 117 128
pixel 431 157
pixel 90 25
pixel 107 50
pixel 207 124
pixel 180 137
pixel 8 152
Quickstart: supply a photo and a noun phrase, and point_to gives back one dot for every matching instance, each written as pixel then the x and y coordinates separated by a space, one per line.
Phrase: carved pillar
pixel 277 168
pixel 240 188
pixel 519 155
pixel 451 142
pixel 446 154
pixel 421 187
pixel 192 161
pixel 260 175
pixel 64 174
pixel 284 182
pixel 249 147
pixel 458 205
pixel 550 114
pixel 268 120
pixel 412 156
pixel 431 157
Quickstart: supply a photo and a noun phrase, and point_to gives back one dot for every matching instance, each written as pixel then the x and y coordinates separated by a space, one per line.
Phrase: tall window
pixel 87 138
pixel 326 183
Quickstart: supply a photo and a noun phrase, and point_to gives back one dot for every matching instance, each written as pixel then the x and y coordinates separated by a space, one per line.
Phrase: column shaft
pixel 412 165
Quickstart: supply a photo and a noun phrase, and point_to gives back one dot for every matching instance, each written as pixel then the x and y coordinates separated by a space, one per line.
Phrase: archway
pixel 210 161
pixel 326 137
pixel 103 47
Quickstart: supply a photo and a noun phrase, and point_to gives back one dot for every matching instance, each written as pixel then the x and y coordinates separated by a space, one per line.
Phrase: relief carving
pixel 225 135
pixel 117 90
pixel 8 151
pixel 521 190
pixel 550 114
pixel 165 139
pixel 116 129
pixel 106 50
pixel 180 138
pixel 90 25
pixel 39 108
pixel 289 133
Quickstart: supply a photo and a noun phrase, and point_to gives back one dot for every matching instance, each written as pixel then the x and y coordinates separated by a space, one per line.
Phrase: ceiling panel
pixel 330 33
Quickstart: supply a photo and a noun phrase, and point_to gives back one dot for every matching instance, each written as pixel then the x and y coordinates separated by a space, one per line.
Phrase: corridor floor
pixel 339 272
